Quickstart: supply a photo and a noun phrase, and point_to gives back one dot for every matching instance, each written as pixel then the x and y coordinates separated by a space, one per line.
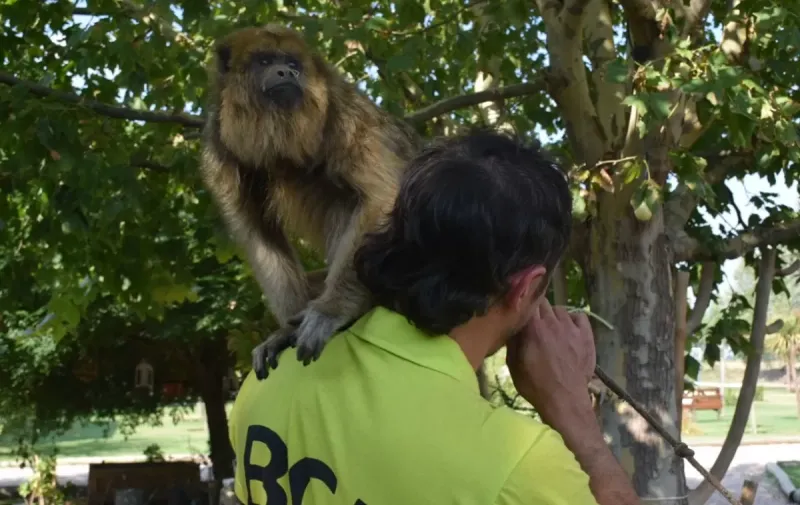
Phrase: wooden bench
pixel 709 398
pixel 159 480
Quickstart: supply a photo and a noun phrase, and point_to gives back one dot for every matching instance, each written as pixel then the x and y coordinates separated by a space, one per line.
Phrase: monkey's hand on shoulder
pixel 265 355
pixel 309 331
pixel 318 326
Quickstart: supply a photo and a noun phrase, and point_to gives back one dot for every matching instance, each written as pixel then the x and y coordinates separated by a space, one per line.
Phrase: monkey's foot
pixel 314 332
pixel 265 355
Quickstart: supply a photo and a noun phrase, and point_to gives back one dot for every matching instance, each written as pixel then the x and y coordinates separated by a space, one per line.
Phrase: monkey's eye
pixel 265 60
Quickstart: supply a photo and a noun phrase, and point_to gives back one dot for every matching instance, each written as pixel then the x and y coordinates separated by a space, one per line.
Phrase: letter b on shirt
pixel 300 473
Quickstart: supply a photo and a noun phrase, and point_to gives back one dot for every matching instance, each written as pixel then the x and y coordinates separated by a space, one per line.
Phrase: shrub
pixel 732 396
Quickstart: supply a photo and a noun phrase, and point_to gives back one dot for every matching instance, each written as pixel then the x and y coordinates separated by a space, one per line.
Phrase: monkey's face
pixel 277 78
pixel 265 67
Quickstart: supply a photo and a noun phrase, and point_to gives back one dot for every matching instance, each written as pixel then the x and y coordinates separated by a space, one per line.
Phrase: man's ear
pixel 526 286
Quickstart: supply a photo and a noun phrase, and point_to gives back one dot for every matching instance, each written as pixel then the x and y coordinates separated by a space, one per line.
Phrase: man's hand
pixel 551 362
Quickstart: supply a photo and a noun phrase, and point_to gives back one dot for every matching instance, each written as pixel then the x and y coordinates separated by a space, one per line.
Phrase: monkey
pixel 293 150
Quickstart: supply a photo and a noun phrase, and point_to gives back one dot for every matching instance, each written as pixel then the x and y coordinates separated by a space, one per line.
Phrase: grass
pixel 792 469
pixel 775 416
pixel 189 436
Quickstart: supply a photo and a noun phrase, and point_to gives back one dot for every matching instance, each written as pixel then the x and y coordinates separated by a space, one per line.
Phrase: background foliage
pixel 106 233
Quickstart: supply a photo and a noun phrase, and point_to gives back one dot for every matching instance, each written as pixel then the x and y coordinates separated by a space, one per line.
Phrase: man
pixel 391 414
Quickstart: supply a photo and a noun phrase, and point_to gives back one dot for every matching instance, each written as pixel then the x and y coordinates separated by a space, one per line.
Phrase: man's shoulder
pixel 541 457
pixel 507 420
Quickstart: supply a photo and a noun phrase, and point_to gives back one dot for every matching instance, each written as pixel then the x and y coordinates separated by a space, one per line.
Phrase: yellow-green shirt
pixel 391 416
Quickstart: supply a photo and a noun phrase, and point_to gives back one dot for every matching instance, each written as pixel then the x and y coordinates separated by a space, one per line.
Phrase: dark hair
pixel 472 210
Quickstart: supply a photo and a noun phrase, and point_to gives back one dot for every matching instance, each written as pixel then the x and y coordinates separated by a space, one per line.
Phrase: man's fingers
pixel 562 314
pixel 544 308
pixel 581 320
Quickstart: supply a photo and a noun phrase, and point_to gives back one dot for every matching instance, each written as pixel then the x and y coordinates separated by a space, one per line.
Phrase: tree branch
pixel 703 297
pixel 608 96
pixel 114 111
pixel 766 272
pixel 695 13
pixel 741 244
pixel 103 109
pixel 467 100
pixel 684 200
pixel 774 327
pixel 132 9
pixel 786 271
pixel 567 80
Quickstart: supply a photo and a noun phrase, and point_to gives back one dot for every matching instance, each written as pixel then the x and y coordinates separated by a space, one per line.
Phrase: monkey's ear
pixel 223 58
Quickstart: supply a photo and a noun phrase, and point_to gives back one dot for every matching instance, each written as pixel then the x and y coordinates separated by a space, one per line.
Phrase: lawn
pixel 189 436
pixel 774 417
pixel 792 469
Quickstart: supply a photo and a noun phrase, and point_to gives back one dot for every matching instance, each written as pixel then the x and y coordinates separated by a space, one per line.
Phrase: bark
pixel 741 244
pixel 702 297
pixel 567 79
pixel 791 371
pixel 766 272
pixel 681 286
pixel 211 366
pixel 628 281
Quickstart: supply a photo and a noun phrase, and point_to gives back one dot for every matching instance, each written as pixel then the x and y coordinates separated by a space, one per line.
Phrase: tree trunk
pixel 791 364
pixel 681 286
pixel 766 273
pixel 797 398
pixel 211 368
pixel 628 276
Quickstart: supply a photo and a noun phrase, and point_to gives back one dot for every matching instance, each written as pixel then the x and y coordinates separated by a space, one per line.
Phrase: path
pixel 749 463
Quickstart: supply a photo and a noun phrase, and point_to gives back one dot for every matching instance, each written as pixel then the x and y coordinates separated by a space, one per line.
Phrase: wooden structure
pixel 160 481
pixel 709 398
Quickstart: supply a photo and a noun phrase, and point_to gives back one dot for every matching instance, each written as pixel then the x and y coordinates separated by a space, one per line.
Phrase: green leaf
pixel 660 103
pixel 691 367
pixel 636 101
pixel 400 62
pixel 377 23
pixel 617 71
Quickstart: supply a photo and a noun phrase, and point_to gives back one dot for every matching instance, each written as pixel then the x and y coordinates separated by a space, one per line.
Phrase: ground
pixel 775 420
pixel 749 463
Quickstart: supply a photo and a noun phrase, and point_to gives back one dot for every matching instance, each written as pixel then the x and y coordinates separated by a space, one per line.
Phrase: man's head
pixel 479 225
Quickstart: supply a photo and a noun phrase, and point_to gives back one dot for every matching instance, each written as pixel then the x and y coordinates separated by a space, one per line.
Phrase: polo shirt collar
pixel 394 333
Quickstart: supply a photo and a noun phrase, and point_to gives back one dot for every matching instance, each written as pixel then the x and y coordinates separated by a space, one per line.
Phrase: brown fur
pixel 327 171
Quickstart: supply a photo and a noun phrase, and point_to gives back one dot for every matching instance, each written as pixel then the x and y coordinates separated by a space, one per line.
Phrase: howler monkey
pixel 294 150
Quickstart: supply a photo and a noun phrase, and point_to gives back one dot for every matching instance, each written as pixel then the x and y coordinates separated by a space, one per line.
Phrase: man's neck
pixel 477 338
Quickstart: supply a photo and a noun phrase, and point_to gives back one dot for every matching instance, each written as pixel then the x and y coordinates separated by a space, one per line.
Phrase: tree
pixel 88 374
pixel 785 344
pixel 653 108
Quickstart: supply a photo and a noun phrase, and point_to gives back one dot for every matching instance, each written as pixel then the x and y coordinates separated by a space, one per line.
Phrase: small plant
pixel 153 453
pixel 690 427
pixel 42 488
pixel 732 396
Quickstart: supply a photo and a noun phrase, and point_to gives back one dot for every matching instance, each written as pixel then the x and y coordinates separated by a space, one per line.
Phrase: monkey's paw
pixel 265 355
pixel 315 331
